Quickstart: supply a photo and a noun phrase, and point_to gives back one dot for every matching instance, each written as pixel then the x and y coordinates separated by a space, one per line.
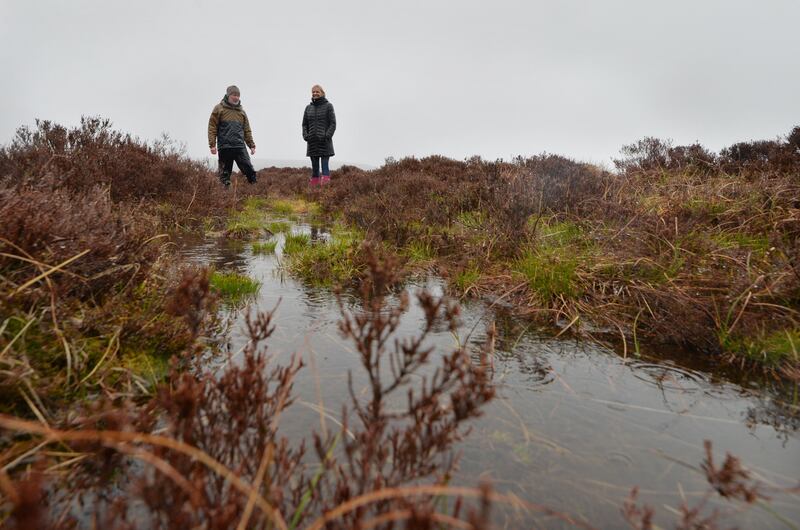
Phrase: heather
pixel 85 269
pixel 678 245
pixel 103 336
pixel 118 391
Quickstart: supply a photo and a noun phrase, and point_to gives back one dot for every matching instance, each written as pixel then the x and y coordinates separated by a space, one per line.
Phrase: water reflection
pixel 319 234
pixel 575 425
pixel 221 253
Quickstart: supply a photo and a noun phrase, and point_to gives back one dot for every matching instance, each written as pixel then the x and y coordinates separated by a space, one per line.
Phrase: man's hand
pixel 213 150
pixel 252 150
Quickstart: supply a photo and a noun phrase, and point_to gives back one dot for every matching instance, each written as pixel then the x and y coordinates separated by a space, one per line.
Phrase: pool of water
pixel 575 425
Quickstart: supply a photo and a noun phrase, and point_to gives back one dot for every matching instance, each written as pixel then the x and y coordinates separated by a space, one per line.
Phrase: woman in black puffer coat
pixel 319 124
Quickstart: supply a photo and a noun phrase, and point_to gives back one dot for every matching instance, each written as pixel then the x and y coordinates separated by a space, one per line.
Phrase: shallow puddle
pixel 575 425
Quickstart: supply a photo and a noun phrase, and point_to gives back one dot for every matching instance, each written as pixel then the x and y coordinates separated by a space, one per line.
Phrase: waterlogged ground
pixel 575 425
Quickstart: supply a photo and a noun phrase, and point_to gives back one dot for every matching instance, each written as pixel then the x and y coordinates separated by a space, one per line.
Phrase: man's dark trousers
pixel 239 155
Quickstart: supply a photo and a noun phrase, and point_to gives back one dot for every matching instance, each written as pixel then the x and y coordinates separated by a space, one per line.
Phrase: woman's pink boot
pixel 314 182
pixel 326 179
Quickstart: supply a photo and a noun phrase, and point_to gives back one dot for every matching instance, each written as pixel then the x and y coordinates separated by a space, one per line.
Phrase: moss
pixel 152 366
pixel 102 341
pixel 250 221
pixel 325 264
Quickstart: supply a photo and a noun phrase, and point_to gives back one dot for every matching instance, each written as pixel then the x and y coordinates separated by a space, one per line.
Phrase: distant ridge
pixel 261 163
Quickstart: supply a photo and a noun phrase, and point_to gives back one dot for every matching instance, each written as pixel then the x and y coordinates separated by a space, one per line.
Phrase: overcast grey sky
pixel 459 78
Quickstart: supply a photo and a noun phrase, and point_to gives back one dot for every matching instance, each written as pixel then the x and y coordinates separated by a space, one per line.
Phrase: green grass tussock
pixel 234 288
pixel 551 274
pixel 279 227
pixel 337 261
pixel 467 278
pixel 295 243
pixel 772 349
pixel 291 207
pixel 419 251
pixel 266 247
pixel 551 265
pixel 249 222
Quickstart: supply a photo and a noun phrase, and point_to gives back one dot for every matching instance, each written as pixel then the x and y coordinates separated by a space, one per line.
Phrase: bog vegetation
pixel 679 245
pixel 102 325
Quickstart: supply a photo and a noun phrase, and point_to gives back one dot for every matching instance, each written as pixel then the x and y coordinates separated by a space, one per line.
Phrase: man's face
pixel 233 99
pixel 316 93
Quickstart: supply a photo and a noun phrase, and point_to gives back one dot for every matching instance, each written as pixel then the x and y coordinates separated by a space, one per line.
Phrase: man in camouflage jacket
pixel 229 134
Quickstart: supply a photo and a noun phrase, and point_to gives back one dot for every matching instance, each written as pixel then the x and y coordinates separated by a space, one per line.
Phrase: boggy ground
pixel 102 325
pixel 107 401
pixel 680 245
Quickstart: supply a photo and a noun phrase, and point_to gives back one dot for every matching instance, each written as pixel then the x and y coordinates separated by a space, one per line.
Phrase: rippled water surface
pixel 575 425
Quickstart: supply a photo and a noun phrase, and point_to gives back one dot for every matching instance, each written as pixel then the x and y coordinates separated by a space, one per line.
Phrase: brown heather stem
pixel 449 491
pixel 114 438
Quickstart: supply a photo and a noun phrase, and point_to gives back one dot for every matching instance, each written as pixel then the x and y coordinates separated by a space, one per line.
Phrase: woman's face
pixel 316 93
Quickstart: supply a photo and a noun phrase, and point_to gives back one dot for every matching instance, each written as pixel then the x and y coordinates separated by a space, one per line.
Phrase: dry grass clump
pixel 707 258
pixel 96 242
